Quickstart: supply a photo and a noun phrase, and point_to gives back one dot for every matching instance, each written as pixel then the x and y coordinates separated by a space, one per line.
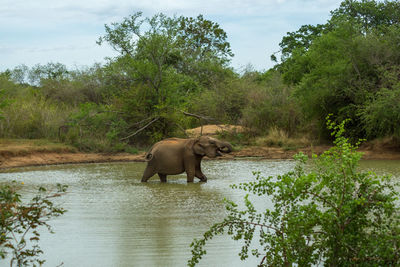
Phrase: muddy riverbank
pixel 10 159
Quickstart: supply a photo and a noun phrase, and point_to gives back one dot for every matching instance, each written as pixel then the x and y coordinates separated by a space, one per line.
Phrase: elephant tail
pixel 148 156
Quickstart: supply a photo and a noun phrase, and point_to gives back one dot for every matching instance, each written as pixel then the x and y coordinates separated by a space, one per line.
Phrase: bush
pixel 381 116
pixel 332 213
pixel 33 117
pixel 19 223
pixel 224 102
pixel 278 137
pixel 270 105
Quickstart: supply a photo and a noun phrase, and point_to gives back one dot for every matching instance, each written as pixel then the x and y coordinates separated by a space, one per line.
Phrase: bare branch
pixel 198 116
pixel 141 129
pixel 140 122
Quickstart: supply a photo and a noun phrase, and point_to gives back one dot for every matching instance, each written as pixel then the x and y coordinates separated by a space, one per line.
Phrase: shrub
pixel 278 137
pixel 332 213
pixel 32 118
pixel 381 116
pixel 270 105
pixel 19 223
pixel 223 102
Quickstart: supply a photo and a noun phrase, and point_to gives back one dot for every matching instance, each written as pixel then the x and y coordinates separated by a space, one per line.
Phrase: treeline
pixel 173 73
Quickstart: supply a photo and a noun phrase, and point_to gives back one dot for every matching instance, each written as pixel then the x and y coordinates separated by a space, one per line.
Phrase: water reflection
pixel 114 220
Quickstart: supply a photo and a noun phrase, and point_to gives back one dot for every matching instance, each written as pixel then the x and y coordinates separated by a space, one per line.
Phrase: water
pixel 114 220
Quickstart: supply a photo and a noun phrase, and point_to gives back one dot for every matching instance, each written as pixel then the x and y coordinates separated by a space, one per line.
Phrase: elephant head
pixel 210 147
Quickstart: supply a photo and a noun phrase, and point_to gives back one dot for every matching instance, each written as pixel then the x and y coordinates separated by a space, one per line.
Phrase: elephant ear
pixel 197 148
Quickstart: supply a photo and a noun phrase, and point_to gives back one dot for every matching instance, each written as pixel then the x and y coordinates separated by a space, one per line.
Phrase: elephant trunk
pixel 224 147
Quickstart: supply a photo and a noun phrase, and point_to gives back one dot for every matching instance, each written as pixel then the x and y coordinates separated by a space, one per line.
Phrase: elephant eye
pixel 212 142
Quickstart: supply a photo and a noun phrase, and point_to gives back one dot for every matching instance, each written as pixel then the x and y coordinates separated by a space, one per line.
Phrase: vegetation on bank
pixel 174 73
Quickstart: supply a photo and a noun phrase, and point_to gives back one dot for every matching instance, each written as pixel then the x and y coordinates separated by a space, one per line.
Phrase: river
pixel 114 220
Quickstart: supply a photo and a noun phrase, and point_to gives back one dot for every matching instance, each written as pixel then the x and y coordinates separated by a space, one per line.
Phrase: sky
pixel 42 31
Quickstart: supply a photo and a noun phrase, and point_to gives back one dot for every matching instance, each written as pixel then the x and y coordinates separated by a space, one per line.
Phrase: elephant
pixel 176 155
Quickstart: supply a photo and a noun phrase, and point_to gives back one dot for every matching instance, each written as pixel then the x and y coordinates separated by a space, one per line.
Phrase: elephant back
pixel 166 148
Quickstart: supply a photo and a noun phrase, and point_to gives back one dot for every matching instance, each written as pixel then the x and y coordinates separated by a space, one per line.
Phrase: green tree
pixel 20 74
pixel 20 223
pixel 203 38
pixel 371 14
pixel 299 40
pixel 7 89
pixel 50 71
pixel 325 210
pixel 342 66
pixel 162 62
pixel 382 114
pixel 270 105
pixel 3 103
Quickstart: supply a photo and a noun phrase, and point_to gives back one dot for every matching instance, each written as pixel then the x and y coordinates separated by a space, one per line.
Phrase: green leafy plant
pixel 324 211
pixel 20 223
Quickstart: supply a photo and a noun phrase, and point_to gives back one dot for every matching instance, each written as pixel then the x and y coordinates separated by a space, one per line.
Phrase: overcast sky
pixel 42 31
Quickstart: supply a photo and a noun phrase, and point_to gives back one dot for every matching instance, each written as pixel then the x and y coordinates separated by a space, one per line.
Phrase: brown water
pixel 114 220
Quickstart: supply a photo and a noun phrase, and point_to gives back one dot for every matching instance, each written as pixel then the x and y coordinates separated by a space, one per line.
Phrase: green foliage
pixel 32 117
pixel 370 14
pixel 204 37
pixel 270 105
pixel 3 103
pixel 164 61
pixel 325 210
pixel 341 67
pixel 136 98
pixel 50 71
pixel 299 40
pixel 95 128
pixel 224 103
pixel 169 66
pixel 20 223
pixel 381 115
pixel 85 85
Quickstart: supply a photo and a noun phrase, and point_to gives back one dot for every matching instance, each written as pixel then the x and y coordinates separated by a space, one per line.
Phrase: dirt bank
pixel 37 158
pixel 36 152
pixel 51 158
pixel 23 152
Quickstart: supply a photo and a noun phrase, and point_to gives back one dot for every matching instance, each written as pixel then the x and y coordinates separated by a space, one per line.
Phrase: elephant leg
pixel 148 172
pixel 199 174
pixel 190 175
pixel 163 177
pixel 190 168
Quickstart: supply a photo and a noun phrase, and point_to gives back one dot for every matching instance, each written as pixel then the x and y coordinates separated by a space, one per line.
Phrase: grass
pixel 279 138
pixel 29 146
pixel 389 143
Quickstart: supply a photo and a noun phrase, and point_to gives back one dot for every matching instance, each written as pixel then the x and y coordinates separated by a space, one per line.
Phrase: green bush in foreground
pixel 326 212
pixel 20 223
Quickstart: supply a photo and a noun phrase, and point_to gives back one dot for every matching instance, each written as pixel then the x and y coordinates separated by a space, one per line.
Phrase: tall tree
pixel 161 61
pixel 341 67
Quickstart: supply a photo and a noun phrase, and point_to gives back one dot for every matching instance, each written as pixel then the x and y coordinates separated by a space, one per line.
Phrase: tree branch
pixel 198 116
pixel 141 129
pixel 322 198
